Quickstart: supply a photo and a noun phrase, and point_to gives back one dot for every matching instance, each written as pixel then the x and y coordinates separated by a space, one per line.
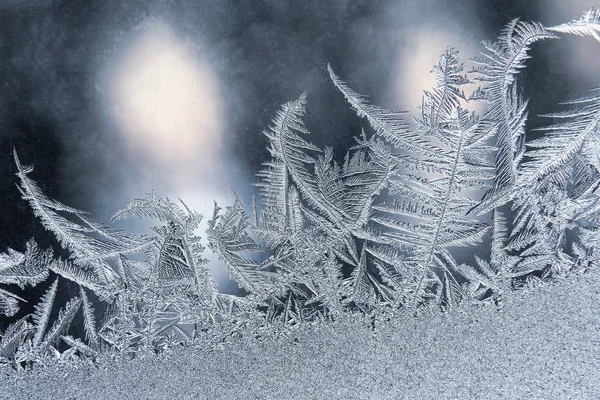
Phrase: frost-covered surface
pixel 543 345
pixel 373 235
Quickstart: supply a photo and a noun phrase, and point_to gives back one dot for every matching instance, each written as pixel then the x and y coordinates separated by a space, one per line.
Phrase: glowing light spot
pixel 166 99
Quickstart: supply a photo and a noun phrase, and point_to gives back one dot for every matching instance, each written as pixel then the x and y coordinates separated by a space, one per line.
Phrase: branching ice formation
pixel 375 234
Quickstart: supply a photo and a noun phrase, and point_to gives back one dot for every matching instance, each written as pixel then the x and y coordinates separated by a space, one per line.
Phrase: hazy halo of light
pixel 166 99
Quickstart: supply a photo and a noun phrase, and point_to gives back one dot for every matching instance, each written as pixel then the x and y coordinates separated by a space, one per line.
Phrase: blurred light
pixel 166 99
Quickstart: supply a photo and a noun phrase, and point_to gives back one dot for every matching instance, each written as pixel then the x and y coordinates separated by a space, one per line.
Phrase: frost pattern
pixel 375 234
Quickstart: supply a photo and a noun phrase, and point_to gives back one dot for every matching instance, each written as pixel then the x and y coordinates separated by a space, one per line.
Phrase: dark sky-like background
pixel 111 98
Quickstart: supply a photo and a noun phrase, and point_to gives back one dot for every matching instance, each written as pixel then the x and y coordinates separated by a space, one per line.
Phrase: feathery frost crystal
pixel 376 234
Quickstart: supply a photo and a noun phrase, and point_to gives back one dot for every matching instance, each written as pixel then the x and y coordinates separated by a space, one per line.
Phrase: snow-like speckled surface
pixel 545 344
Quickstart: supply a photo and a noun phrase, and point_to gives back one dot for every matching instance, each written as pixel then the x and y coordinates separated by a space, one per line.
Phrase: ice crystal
pixel 375 234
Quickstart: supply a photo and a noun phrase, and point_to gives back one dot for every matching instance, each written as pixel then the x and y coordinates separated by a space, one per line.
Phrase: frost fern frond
pixel 497 68
pixel 588 25
pixel 386 123
pixel 41 316
pixel 89 321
